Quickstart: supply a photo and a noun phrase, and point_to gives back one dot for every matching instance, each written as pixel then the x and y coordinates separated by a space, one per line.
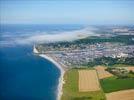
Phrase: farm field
pixel 121 95
pixel 122 65
pixel 71 88
pixel 88 81
pixel 102 73
pixel 128 68
pixel 86 84
pixel 114 84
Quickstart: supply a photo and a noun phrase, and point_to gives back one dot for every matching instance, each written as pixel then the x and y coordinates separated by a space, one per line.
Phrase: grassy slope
pixel 70 89
pixel 113 84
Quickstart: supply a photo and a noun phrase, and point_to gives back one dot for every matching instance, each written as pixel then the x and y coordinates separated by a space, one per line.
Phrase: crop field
pixel 114 84
pixel 71 88
pixel 102 73
pixel 88 81
pixel 128 68
pixel 121 95
pixel 83 84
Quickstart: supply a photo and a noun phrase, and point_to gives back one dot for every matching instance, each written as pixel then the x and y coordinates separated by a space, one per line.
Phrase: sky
pixel 90 12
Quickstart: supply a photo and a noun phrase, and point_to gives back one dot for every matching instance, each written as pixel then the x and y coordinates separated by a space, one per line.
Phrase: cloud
pixel 62 36
pixel 43 37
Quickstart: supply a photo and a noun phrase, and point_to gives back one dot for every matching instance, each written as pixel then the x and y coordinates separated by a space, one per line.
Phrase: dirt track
pixel 121 95
pixel 88 81
pixel 102 73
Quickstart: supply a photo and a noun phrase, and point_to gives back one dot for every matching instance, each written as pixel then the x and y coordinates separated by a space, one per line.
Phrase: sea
pixel 23 74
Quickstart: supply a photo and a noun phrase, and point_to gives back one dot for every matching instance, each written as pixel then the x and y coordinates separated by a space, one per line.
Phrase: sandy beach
pixel 61 79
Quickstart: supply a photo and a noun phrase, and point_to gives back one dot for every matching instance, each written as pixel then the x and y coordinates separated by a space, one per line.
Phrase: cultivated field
pixel 88 81
pixel 71 89
pixel 121 95
pixel 113 84
pixel 102 73
pixel 128 68
pixel 83 84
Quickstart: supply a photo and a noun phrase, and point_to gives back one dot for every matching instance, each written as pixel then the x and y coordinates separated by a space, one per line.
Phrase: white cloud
pixel 63 36
pixel 43 37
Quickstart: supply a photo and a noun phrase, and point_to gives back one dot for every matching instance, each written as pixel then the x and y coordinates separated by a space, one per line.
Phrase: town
pixel 83 53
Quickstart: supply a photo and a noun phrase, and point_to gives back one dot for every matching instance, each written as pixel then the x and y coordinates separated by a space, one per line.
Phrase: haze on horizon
pixel 67 12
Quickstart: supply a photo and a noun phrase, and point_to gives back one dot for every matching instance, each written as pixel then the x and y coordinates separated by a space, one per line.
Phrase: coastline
pixel 59 66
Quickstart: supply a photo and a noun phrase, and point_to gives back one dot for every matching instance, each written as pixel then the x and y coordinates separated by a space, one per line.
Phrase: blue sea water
pixel 24 75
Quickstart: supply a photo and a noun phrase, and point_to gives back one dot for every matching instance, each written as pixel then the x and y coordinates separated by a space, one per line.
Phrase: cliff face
pixel 35 50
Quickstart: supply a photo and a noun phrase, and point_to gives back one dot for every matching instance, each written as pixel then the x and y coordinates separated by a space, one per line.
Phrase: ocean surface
pixel 24 75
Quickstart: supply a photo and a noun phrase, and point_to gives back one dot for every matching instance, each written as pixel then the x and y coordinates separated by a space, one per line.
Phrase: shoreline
pixel 61 78
pixel 59 66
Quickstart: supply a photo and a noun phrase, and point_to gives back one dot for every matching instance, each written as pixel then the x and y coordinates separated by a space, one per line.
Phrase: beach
pixel 59 66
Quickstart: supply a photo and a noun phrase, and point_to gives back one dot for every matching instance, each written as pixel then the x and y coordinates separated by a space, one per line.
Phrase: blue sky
pixel 67 11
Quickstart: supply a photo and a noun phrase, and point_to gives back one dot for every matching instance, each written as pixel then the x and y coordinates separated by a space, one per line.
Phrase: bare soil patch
pixel 102 73
pixel 128 68
pixel 121 95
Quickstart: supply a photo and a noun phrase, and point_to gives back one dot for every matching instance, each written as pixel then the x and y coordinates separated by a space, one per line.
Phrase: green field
pixel 121 65
pixel 111 84
pixel 70 89
pixel 114 84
